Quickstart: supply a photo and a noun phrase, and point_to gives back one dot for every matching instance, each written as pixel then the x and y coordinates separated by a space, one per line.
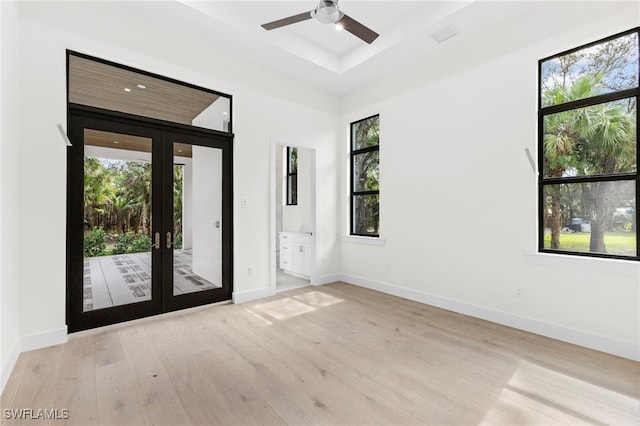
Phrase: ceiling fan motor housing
pixel 327 12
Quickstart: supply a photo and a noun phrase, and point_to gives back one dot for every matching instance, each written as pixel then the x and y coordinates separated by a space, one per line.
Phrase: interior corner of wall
pixel 8 364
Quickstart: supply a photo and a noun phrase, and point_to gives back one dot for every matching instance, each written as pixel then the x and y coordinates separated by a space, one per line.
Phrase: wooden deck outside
pixel 126 278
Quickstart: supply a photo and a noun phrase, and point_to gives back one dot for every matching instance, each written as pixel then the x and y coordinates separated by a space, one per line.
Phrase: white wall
pixel 280 196
pixel 281 189
pixel 266 106
pixel 9 194
pixel 297 218
pixel 458 196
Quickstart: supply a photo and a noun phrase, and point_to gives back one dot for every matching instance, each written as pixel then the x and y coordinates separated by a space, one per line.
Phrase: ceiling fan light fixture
pixel 326 12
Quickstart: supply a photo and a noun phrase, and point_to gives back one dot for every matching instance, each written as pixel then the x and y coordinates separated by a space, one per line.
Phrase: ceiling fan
pixel 327 12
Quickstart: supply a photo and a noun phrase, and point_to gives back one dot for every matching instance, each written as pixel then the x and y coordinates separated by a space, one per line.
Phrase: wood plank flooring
pixel 330 355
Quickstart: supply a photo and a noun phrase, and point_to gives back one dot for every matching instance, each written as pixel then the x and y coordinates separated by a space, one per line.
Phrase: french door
pixel 149 218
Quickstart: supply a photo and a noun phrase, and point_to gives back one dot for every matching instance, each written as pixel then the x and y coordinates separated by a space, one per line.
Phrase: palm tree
pixel 608 146
pixel 123 205
pixel 595 140
pixel 136 186
pixel 98 191
pixel 561 143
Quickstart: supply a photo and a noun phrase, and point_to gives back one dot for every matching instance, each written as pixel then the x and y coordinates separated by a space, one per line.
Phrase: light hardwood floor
pixel 330 355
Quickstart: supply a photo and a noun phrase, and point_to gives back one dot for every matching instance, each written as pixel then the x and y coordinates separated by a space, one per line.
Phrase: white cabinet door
pixel 299 258
pixel 286 257
pixel 296 253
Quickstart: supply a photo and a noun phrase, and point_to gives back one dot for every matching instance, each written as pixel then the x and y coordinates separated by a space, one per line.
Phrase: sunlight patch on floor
pixel 257 315
pixel 538 395
pixel 284 308
pixel 289 307
pixel 317 299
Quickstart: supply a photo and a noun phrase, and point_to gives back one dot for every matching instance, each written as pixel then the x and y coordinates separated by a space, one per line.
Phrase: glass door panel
pixel 146 219
pixel 197 218
pixel 117 234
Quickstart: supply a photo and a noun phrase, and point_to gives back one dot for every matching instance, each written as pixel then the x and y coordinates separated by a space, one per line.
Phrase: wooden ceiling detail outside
pixel 100 85
pixel 128 142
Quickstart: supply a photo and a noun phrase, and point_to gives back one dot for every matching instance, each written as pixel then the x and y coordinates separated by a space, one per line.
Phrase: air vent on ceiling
pixel 445 33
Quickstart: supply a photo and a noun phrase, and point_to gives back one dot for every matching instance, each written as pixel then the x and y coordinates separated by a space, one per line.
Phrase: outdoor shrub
pixel 140 244
pixel 118 249
pixel 178 241
pixel 131 243
pixel 124 243
pixel 94 242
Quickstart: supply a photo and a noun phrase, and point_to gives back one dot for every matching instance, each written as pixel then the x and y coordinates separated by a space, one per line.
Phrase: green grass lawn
pixel 620 243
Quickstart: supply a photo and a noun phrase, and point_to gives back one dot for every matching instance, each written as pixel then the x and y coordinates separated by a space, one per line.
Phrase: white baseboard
pixel 327 279
pixel 29 343
pixel 8 365
pixel 297 275
pixel 249 295
pixel 554 331
pixel 42 340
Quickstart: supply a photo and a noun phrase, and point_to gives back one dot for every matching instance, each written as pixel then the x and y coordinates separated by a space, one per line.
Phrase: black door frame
pixel 162 133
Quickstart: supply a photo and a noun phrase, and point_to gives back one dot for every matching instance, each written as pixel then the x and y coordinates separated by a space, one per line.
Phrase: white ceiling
pixel 316 53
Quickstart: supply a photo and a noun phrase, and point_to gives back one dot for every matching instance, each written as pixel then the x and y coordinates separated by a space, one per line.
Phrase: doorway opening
pixel 149 198
pixel 294 217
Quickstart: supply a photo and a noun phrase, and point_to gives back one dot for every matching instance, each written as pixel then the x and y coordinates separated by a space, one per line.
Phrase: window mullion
pixel 594 100
pixel 365 150
pixel 589 178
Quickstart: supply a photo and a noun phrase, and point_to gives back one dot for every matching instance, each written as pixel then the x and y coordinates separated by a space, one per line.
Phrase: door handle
pixel 156 243
pixel 169 242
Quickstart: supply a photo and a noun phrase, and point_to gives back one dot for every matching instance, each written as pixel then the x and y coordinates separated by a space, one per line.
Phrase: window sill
pixel 372 241
pixel 617 266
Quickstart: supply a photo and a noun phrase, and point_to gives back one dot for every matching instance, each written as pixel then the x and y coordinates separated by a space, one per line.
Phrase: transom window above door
pixel 102 84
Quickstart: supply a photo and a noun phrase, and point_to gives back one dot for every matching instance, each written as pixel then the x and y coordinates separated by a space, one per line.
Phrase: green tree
pixel 117 200
pixel 588 141
pixel 178 182
pixel 98 191
pixel 608 146
pixel 595 140
pixel 117 196
pixel 366 172
pixel 136 185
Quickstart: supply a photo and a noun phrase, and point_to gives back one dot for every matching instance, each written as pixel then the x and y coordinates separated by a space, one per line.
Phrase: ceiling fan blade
pixel 287 21
pixel 357 29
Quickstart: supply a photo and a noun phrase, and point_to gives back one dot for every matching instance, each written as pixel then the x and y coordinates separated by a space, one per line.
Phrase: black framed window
pixel 365 177
pixel 292 176
pixel 587 149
